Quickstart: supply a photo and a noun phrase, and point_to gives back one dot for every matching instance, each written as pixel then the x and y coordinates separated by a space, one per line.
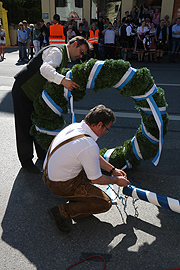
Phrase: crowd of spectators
pixel 141 35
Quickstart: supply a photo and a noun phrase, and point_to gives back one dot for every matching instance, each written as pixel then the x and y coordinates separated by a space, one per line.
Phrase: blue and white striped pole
pixel 152 197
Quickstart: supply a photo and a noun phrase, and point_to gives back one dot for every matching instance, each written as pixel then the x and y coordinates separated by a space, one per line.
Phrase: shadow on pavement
pixel 6 105
pixel 28 227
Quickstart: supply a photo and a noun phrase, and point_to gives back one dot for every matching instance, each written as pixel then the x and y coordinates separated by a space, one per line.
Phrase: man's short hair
pixel 56 17
pixel 81 40
pixel 100 114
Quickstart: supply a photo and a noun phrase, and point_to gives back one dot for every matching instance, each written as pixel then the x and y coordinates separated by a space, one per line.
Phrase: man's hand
pixel 118 172
pixel 69 84
pixel 121 181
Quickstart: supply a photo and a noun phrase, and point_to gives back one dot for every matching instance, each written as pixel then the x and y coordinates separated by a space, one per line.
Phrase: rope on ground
pixel 87 259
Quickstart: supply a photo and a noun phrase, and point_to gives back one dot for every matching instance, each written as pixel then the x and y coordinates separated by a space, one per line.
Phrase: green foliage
pixel 19 10
pixel 110 74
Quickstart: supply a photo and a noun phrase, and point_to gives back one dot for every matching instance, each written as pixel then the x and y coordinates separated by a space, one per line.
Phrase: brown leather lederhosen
pixel 84 198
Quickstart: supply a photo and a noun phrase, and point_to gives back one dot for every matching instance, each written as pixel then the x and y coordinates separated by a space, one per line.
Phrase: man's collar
pixel 69 58
pixel 89 130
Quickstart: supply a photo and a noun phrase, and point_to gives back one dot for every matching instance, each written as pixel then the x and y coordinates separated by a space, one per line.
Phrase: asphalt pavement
pixel 139 236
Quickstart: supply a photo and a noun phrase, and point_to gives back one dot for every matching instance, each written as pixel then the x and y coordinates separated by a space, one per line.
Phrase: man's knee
pixel 107 204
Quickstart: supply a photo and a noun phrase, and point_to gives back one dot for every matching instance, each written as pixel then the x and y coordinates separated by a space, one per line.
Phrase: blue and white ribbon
pixel 48 132
pixel 157 116
pixel 126 78
pixel 108 154
pixel 151 92
pixel 148 135
pixel 93 74
pixel 127 166
pixel 148 110
pixel 152 197
pixel 136 149
pixel 109 190
pixel 69 97
pixel 51 104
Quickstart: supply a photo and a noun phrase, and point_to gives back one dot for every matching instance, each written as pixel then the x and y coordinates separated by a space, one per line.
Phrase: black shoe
pixel 30 167
pixel 61 221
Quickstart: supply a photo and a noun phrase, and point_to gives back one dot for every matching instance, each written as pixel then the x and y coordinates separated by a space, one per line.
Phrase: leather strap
pixel 45 173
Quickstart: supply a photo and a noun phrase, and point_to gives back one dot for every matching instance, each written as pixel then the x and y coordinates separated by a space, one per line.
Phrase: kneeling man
pixel 73 164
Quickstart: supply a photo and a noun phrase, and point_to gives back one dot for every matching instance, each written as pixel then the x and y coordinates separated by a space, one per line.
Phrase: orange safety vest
pixel 56 34
pixel 94 37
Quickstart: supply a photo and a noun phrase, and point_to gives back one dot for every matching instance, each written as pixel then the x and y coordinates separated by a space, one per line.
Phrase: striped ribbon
pixel 109 190
pixel 51 104
pixel 157 116
pixel 135 148
pixel 108 154
pixel 148 135
pixel 148 110
pixel 48 132
pixel 69 97
pixel 126 78
pixel 93 74
pixel 152 197
pixel 127 166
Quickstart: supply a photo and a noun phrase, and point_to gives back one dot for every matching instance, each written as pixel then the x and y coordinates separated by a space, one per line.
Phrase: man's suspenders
pixel 45 172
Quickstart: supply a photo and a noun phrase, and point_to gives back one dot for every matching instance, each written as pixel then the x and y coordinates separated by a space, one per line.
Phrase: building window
pixel 116 8
pixel 79 3
pixel 61 3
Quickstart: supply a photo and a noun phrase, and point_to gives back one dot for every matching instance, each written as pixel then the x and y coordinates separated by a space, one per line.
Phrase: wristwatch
pixel 112 170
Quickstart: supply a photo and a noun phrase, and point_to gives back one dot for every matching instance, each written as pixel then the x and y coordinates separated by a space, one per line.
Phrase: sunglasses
pixel 107 129
pixel 82 52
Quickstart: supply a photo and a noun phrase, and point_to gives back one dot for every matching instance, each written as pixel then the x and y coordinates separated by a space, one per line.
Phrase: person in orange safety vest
pixel 56 32
pixel 93 38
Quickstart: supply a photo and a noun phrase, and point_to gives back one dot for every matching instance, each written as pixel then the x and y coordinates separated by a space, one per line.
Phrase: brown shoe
pixel 61 222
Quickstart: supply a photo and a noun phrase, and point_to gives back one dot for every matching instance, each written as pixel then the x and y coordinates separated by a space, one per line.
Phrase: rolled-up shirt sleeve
pixel 89 159
pixel 52 58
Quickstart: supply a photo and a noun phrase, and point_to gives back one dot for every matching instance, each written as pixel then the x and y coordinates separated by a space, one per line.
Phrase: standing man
pixel 93 38
pixel 161 37
pixel 125 34
pixel 109 41
pixel 175 41
pixel 28 30
pixel 29 84
pixel 43 32
pixel 57 35
pixel 73 165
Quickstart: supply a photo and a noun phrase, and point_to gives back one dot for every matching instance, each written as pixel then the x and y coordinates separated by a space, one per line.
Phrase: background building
pixel 67 9
pixel 167 7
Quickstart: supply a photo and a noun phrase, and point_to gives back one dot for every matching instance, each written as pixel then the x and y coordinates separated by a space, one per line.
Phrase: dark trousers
pixel 23 108
pixel 109 51
pixel 175 44
pixel 22 50
pixel 84 198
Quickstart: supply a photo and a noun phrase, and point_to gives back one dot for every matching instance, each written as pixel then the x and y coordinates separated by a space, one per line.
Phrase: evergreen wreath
pixel 139 85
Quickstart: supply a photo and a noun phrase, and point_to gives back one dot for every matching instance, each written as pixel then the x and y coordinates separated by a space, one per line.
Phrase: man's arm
pixel 52 58
pixel 104 164
pixel 174 31
pixel 103 32
pixel 106 180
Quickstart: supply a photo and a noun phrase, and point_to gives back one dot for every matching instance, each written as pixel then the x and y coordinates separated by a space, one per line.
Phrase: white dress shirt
pixel 52 58
pixel 83 153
